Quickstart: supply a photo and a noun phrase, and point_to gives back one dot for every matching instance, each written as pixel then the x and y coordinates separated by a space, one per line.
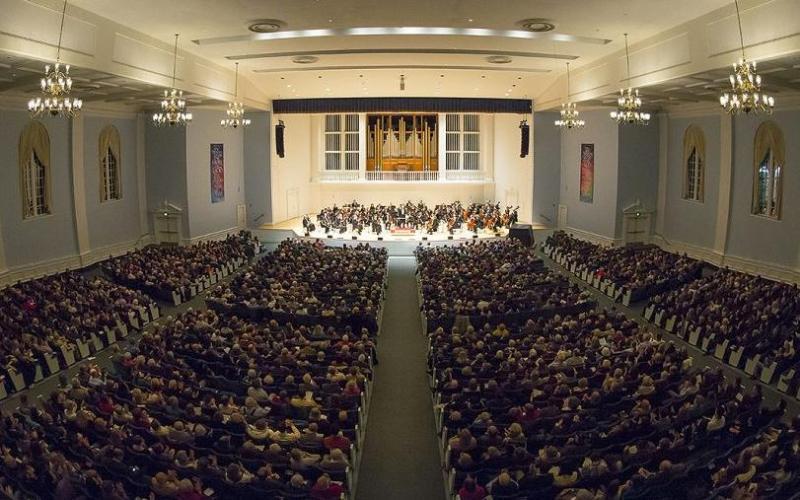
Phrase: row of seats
pixel 175 274
pixel 492 280
pixel 206 405
pixel 627 274
pixel 310 283
pixel 744 320
pixel 49 323
pixel 591 405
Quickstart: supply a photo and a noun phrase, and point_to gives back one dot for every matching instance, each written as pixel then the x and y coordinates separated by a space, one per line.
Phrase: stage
pixel 396 244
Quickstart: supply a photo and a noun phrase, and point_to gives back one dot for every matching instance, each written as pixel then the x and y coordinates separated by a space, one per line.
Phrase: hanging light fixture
pixel 629 103
pixel 173 106
pixel 56 86
pixel 569 112
pixel 235 118
pixel 745 94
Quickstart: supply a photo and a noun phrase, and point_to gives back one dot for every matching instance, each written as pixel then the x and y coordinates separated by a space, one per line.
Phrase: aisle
pixel 401 458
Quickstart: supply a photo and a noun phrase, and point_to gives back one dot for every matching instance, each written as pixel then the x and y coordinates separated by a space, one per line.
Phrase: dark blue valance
pixel 402 104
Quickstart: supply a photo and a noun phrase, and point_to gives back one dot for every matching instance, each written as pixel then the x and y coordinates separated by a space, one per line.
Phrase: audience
pixel 491 279
pixel 750 312
pixel 162 270
pixel 41 316
pixel 642 270
pixel 309 283
pixel 585 406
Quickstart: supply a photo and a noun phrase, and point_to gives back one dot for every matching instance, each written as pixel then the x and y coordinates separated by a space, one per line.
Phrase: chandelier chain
pixel 739 19
pixel 236 83
pixel 627 59
pixel 568 91
pixel 175 60
pixel 61 31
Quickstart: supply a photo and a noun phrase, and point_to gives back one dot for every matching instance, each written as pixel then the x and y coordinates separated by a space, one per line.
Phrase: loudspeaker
pixel 525 138
pixel 279 129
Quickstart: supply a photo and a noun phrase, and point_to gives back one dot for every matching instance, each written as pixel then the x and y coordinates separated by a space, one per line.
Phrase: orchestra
pixel 410 216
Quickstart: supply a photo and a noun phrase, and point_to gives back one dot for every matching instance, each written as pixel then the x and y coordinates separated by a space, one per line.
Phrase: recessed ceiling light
pixel 305 59
pixel 266 26
pixel 498 59
pixel 536 25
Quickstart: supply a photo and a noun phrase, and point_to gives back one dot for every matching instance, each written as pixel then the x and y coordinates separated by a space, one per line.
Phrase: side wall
pixel 688 221
pixel 257 147
pixel 596 220
pixel 638 168
pixel 725 231
pixel 546 168
pixel 513 176
pixel 80 230
pixel 115 221
pixel 207 219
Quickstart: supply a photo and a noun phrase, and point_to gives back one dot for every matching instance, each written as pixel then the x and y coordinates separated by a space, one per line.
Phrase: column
pixel 141 179
pixel 663 168
pixel 363 135
pixel 725 186
pixel 79 190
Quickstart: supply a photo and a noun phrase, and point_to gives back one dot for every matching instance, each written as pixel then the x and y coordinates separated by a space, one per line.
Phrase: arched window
pixel 768 162
pixel 34 170
pixel 110 164
pixel 694 160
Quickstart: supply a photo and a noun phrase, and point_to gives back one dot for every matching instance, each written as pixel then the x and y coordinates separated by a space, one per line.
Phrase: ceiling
pixel 21 76
pixel 353 64
pixel 781 77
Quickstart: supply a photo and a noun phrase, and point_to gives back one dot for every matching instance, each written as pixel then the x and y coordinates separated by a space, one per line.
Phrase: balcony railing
pixel 339 176
pixel 464 175
pixel 396 176
pixel 411 176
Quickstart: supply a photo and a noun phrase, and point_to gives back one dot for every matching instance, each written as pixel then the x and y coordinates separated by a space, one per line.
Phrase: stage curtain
pixel 34 139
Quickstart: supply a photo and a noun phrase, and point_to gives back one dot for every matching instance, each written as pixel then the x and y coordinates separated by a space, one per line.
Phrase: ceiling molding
pixel 340 52
pixel 402 31
pixel 399 66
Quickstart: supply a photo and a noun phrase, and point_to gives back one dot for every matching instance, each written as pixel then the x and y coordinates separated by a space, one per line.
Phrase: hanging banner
pixel 587 173
pixel 217 173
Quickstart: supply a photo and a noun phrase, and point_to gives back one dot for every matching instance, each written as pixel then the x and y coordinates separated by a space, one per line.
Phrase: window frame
pixel 694 164
pixel 769 151
pixel 460 136
pixel 348 133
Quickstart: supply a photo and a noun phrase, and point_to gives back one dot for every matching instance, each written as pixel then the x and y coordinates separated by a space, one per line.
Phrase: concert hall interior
pixel 438 249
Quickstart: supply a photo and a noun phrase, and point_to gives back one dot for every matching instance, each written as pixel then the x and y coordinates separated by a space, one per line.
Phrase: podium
pixel 522 232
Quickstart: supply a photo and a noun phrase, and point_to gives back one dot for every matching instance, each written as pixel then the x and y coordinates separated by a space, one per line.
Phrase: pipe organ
pixel 402 142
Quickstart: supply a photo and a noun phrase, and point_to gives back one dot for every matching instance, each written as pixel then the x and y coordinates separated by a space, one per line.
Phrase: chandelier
pixel 56 86
pixel 629 103
pixel 745 94
pixel 569 112
pixel 173 106
pixel 235 118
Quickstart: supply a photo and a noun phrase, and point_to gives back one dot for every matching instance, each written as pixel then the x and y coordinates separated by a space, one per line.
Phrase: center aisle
pixel 401 457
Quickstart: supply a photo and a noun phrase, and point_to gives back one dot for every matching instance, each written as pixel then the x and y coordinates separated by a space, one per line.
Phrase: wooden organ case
pixel 402 143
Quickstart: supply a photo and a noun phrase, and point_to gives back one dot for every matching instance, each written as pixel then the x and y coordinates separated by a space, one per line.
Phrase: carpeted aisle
pixel 401 458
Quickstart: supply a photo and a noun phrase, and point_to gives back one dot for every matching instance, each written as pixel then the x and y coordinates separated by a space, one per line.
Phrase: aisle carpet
pixel 401 459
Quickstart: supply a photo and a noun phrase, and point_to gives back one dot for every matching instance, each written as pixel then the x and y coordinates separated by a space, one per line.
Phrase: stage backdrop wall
pixel 295 188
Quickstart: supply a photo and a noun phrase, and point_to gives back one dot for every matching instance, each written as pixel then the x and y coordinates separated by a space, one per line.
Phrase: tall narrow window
pixel 693 163
pixel 462 142
pixel 34 167
pixel 109 154
pixel 341 142
pixel 769 160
